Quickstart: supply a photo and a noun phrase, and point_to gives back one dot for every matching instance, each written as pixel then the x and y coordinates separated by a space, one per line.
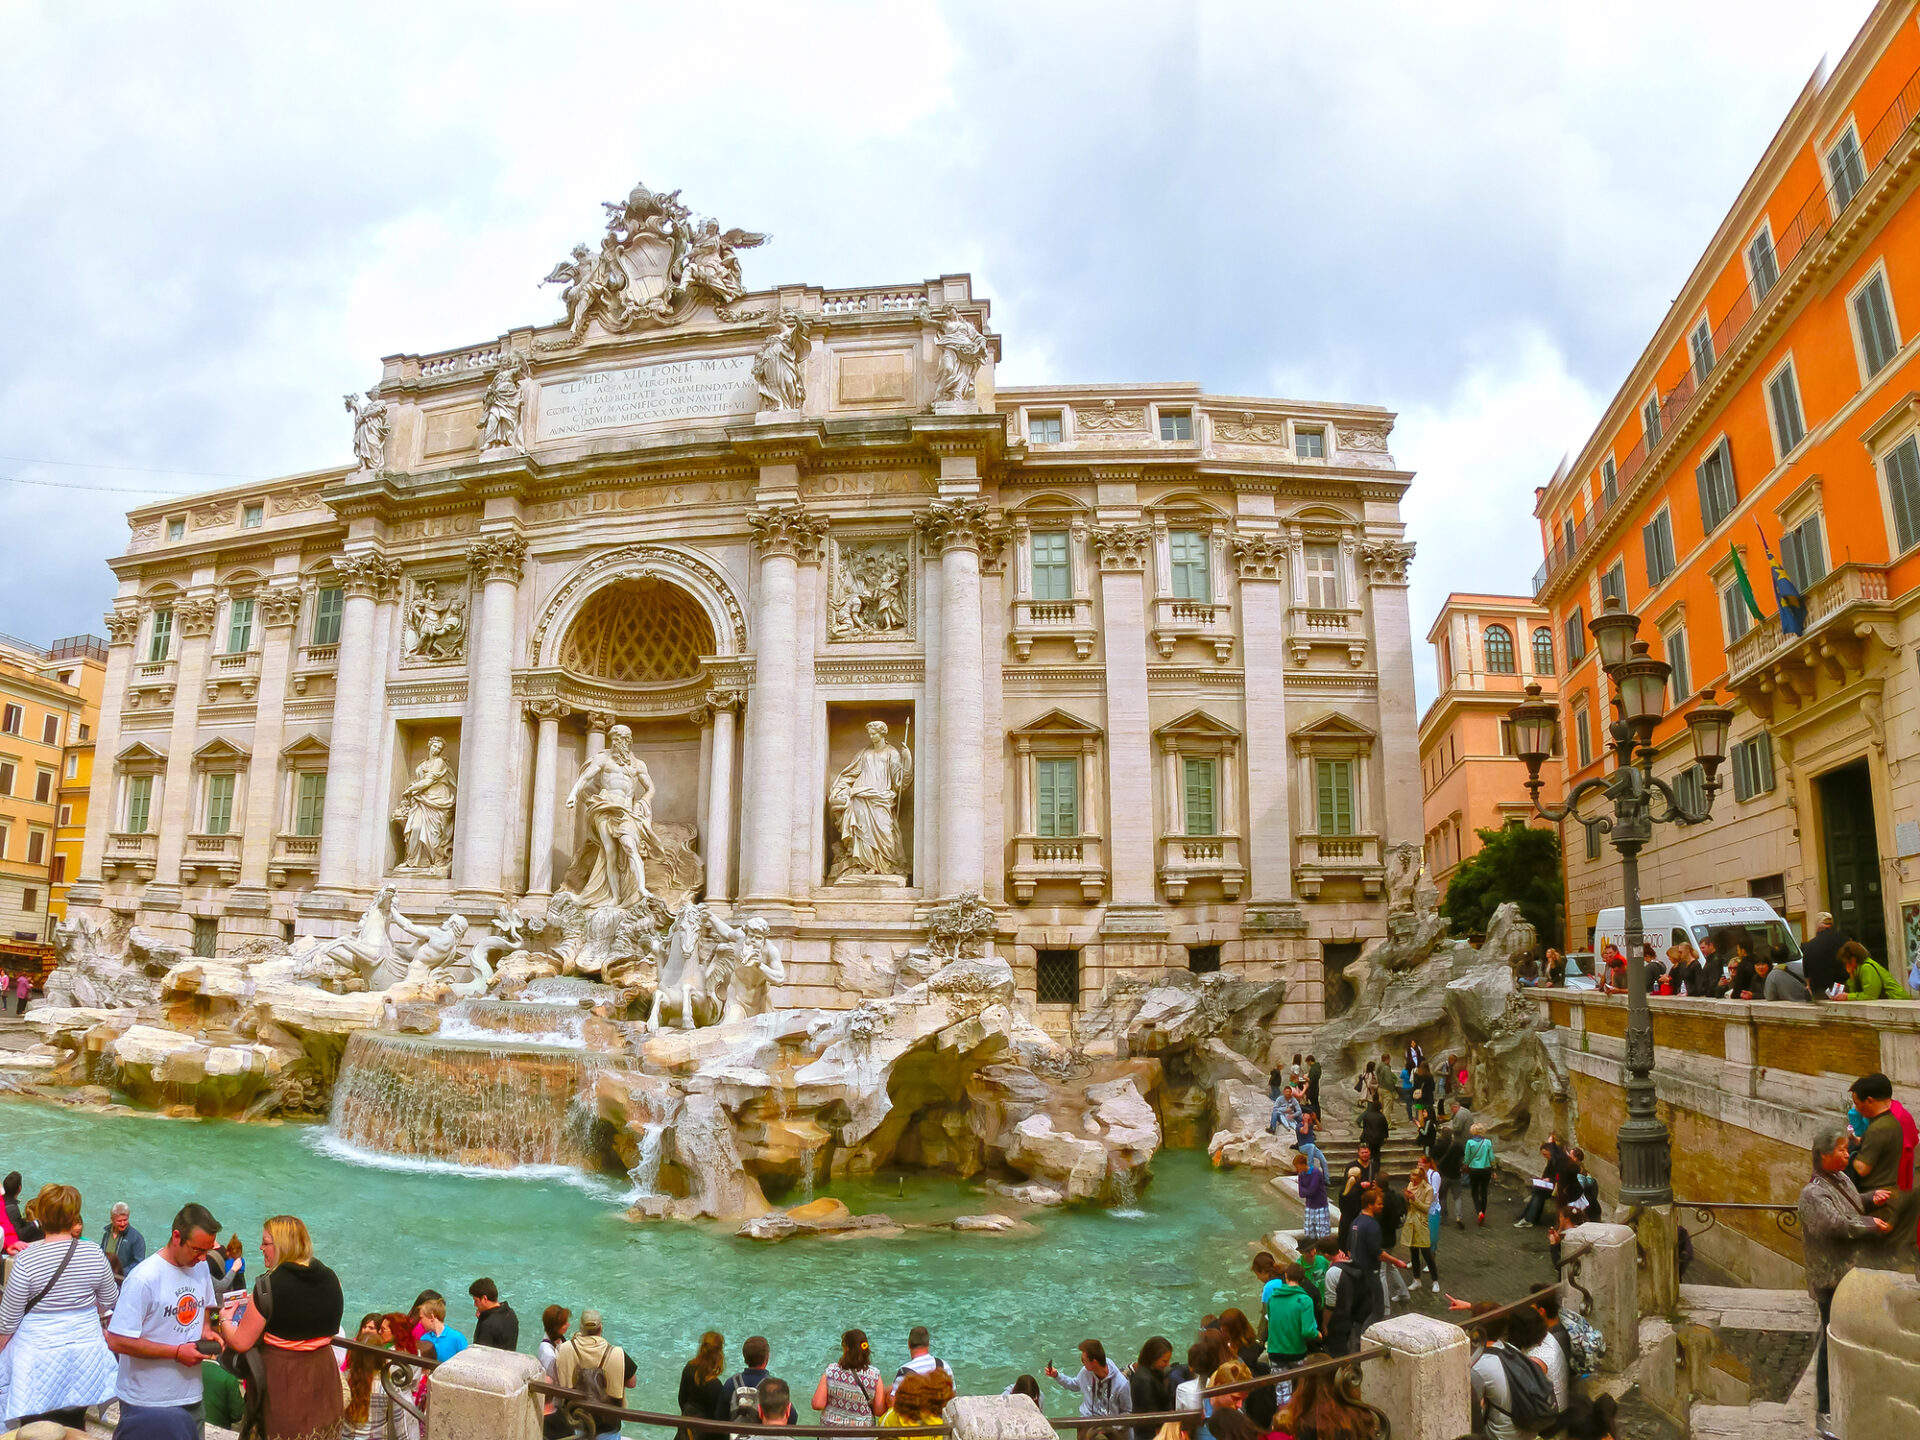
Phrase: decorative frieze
pixel 1110 416
pixel 1364 440
pixel 1122 547
pixel 1386 560
pixel 366 573
pixel 1247 429
pixel 909 670
pixel 497 557
pixel 791 530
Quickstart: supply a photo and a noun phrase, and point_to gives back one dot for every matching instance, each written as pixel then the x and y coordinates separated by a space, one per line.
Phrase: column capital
pixel 548 709
pixel 367 573
pixel 123 624
pixel 195 616
pixel 790 530
pixel 1122 547
pixel 1386 560
pixel 279 606
pixel 725 698
pixel 963 524
pixel 1260 557
pixel 600 720
pixel 498 557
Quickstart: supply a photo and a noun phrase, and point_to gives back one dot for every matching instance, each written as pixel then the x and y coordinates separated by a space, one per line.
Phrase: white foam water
pixel 326 1143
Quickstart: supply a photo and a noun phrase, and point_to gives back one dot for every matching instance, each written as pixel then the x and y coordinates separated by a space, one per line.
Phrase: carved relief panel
pixel 871 589
pixel 435 612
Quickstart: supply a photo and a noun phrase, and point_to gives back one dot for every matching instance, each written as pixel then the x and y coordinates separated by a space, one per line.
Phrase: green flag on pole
pixel 1746 586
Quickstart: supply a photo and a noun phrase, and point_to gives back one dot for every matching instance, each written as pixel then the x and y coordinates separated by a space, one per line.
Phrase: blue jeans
pixel 1312 1152
pixel 195 1412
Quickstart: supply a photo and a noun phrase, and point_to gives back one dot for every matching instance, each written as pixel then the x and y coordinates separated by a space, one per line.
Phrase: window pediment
pixel 308 747
pixel 1333 729
pixel 221 751
pixel 1058 724
pixel 1197 726
pixel 141 756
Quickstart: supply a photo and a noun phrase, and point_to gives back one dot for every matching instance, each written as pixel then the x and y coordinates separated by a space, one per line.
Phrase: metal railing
pixel 1500 1312
pixel 1786 1215
pixel 396 1379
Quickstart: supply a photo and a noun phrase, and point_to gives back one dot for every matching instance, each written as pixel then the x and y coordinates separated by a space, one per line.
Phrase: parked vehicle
pixel 1580 973
pixel 1691 921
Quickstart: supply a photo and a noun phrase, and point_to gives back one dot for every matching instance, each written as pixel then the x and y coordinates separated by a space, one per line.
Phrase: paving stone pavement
pixel 1492 1262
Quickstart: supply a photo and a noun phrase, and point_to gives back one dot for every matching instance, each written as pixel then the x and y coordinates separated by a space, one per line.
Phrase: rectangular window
pixel 1680 682
pixel 1056 794
pixel 1190 578
pixel 6 778
pixel 1576 637
pixel 1056 977
pixel 36 847
pixel 1506 737
pixel 83 733
pixel 176 528
pixel 29 900
pixel 1873 319
pixel 139 802
pixel 1593 841
pixel 251 516
pixel 327 607
pixel 1689 786
pixel 3 842
pixel 1582 736
pixel 1761 264
pixel 1733 613
pixel 1203 959
pixel 1052 576
pixel 312 803
pixel 1176 425
pixel 1198 779
pixel 206 936
pixel 1322 563
pixel 10 719
pixel 1783 400
pixel 59 869
pixel 1846 168
pixel 1802 553
pixel 1650 418
pixel 66 814
pixel 1566 535
pixel 1657 537
pixel 50 730
pixel 1714 479
pixel 1043 429
pixel 1609 481
pixel 1753 766
pixel 1701 343
pixel 219 804
pixel 1903 488
pixel 1614 582
pixel 1333 784
pixel 240 626
pixel 161 640
pixel 73 766
pixel 1309 444
pixel 43 788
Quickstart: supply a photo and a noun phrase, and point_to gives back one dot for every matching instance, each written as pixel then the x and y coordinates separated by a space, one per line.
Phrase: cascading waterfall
pixel 516 1021
pixel 1126 1196
pixel 473 1103
pixel 646 1175
pixel 808 1155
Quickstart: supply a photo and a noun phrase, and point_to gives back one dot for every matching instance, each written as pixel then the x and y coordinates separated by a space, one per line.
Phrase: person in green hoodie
pixel 1867 978
pixel 1291 1324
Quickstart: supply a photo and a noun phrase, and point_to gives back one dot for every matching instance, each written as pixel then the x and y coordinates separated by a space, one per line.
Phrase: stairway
pixel 1339 1137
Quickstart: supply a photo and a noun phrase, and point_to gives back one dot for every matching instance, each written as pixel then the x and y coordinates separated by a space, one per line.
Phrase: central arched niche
pixel 644 631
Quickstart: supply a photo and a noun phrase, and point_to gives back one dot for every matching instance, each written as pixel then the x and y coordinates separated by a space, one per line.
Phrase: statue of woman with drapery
pixel 425 815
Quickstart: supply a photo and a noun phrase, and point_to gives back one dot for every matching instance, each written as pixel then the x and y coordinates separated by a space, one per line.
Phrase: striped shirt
pixel 88 1280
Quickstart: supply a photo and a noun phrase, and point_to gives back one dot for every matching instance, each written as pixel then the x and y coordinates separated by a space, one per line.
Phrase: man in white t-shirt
pixel 921 1359
pixel 166 1307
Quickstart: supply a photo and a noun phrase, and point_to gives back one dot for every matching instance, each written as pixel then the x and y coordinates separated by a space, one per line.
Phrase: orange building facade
pixel 1776 409
pixel 1487 649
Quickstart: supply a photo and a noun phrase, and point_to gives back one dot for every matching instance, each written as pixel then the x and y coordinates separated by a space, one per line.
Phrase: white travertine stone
pixel 279 615
pixel 481 1394
pixel 719 827
pixel 1659 1372
pixel 352 721
pixel 1873 1355
pixel 1263 620
pixel 1129 745
pixel 486 746
pixel 806 869
pixel 997 1417
pixel 1611 1274
pixel 177 797
pixel 1422 1382
pixel 770 758
pixel 962 704
pixel 1393 654
pixel 103 810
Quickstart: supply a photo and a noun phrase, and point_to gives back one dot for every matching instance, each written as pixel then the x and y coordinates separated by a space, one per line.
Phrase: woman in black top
pixel 1373 1126
pixel 1151 1384
pixel 1424 1086
pixel 291 1318
pixel 700 1388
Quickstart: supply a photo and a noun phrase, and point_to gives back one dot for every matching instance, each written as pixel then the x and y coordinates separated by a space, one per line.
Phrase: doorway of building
pixel 1851 849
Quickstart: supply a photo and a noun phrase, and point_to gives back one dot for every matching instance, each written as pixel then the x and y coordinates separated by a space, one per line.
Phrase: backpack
pixel 744 1407
pixel 1588 1345
pixel 1528 1389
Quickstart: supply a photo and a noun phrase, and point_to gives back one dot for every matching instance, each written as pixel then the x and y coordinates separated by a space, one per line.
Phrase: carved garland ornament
pixel 787 530
pixel 1386 561
pixel 1247 430
pixel 1110 417
pixel 637 562
pixel 1372 441
pixel 1122 547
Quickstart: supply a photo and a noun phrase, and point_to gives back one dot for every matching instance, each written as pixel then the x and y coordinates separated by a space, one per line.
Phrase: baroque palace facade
pixel 1132 662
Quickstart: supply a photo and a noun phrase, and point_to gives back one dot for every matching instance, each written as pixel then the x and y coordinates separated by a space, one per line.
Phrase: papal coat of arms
pixel 655 263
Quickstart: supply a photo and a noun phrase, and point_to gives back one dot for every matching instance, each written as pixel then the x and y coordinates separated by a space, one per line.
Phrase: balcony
pixel 293 854
pixel 314 660
pixel 1845 612
pixel 150 686
pixel 1053 620
pixel 1208 621
pixel 132 854
pixel 1336 857
pixel 1074 860
pixel 242 669
pixel 1185 859
pixel 1341 629
pixel 216 855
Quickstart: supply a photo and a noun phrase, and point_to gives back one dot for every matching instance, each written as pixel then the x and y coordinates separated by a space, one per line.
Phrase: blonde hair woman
pixel 54 1360
pixel 286 1328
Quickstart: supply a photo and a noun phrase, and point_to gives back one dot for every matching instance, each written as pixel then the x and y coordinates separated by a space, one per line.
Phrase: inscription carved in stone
pixel 722 386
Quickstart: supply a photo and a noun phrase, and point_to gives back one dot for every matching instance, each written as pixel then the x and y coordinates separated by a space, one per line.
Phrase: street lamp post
pixel 1639 800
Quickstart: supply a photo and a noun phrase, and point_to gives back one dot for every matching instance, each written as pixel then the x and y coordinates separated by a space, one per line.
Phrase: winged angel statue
pixel 655 261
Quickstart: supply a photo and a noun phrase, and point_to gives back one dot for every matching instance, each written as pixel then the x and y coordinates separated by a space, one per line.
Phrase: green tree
pixel 1520 863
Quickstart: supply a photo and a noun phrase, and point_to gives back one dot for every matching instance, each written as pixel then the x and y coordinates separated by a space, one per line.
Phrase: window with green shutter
pixel 1052 574
pixel 1903 488
pixel 1056 788
pixel 1188 549
pixel 1334 786
pixel 219 804
pixel 1873 317
pixel 240 627
pixel 139 802
pixel 161 641
pixel 1201 814
pixel 312 803
pixel 328 604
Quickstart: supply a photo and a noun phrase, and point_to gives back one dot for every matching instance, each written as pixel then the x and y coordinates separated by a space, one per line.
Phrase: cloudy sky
pixel 215 219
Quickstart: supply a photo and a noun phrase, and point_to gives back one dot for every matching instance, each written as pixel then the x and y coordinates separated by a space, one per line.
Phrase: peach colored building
pixel 1486 649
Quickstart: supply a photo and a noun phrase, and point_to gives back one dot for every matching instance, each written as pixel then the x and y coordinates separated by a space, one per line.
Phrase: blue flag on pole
pixel 1786 594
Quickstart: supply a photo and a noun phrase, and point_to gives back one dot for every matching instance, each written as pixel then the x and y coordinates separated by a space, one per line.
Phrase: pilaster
pixel 1122 552
pixel 718 840
pixel 546 715
pixel 486 779
pixel 193 618
pixel 1385 562
pixel 959 529
pixel 279 613
pixel 1261 562
pixel 781 533
pixel 123 628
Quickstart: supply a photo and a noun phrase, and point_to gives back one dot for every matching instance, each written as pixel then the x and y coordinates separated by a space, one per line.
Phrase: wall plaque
pixel 644 394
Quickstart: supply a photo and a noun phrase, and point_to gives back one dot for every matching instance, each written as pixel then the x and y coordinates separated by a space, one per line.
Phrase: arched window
pixel 1543 651
pixel 1499 647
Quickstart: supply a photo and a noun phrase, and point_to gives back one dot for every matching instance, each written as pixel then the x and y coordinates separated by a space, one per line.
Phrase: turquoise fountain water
pixel 998 1305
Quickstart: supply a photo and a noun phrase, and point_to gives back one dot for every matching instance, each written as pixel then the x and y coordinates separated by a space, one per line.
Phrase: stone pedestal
pixel 481 1394
pixel 1422 1383
pixel 1873 1355
pixel 997 1417
pixel 1611 1274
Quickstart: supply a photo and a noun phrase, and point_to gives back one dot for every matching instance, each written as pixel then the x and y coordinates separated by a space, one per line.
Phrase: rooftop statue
pixel 963 350
pixel 371 426
pixel 501 405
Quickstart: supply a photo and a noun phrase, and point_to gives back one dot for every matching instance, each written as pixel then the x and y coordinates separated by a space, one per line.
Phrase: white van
pixel 1691 921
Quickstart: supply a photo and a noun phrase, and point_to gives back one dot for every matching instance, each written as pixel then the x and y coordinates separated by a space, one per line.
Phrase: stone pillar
pixel 808 791
pixel 547 714
pixel 482 1394
pixel 1263 629
pixel 1422 1383
pixel 1386 566
pixel 1873 1355
pixel 486 794
pixel 598 723
pixel 279 612
pixel 1611 1275
pixel 718 840
pixel 996 1417
pixel 194 619
pixel 364 577
pixel 781 533
pixel 123 629
pixel 958 529
pixel 1122 550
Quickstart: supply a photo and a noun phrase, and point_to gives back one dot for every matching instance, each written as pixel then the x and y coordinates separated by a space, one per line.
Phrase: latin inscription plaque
pixel 646 394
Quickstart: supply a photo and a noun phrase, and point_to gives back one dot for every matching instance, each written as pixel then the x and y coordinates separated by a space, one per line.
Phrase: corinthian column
pixel 1122 550
pixel 959 529
pixel 123 628
pixel 486 747
pixel 279 610
pixel 719 828
pixel 364 577
pixel 546 766
pixel 194 617
pixel 782 534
